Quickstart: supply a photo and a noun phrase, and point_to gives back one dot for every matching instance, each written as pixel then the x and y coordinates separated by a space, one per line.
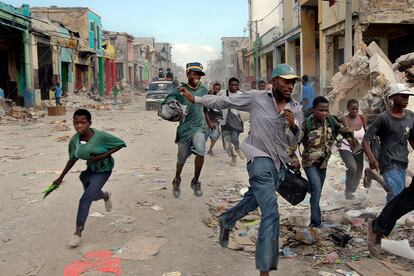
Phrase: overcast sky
pixel 193 27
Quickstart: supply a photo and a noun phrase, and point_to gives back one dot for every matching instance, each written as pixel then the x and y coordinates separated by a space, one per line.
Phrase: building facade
pixel 16 66
pixel 89 62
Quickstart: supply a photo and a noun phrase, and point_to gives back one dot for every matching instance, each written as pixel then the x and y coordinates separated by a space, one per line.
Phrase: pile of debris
pixel 340 242
pixel 9 112
pixel 368 76
pixel 86 100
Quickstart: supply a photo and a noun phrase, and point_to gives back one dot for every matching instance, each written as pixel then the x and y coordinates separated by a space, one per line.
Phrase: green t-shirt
pixel 195 119
pixel 100 142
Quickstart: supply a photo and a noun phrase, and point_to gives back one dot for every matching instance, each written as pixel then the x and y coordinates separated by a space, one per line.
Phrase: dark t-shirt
pixel 394 134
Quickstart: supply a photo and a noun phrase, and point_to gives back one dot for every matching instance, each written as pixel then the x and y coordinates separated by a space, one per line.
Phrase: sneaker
pixel 240 154
pixel 196 186
pixel 210 152
pixel 74 241
pixel 224 234
pixel 176 187
pixel 373 241
pixel 108 202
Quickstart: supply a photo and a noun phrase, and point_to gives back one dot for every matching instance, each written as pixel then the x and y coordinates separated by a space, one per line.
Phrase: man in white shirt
pixel 231 136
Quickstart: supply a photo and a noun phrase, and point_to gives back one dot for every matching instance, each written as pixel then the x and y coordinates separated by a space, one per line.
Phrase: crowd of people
pixel 278 127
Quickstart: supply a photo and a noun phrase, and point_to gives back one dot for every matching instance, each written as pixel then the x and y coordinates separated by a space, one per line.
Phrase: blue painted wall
pixel 95 32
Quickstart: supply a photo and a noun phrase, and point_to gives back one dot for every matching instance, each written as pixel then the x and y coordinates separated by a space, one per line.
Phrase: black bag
pixel 294 187
pixel 233 121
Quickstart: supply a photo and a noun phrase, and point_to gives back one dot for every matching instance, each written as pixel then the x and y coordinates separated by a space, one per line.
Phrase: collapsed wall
pixel 367 77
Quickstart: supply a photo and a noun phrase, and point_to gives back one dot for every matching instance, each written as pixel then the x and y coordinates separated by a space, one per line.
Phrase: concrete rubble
pixel 9 112
pixel 368 76
pixel 340 241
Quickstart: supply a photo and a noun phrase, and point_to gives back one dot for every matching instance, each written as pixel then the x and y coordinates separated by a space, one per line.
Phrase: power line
pixel 280 2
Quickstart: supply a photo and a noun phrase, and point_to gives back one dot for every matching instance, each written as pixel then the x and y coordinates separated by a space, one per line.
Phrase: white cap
pixel 400 88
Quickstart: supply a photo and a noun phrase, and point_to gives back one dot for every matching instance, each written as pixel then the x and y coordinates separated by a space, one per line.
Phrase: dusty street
pixel 34 232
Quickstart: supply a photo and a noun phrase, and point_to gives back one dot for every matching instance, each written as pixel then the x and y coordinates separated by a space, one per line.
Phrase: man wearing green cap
pixel 191 132
pixel 275 120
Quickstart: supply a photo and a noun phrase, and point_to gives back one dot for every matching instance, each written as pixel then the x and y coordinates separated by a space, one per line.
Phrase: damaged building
pixel 15 54
pixel 390 24
pixel 88 69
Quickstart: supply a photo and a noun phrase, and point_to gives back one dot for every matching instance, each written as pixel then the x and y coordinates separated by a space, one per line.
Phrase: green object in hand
pixel 50 189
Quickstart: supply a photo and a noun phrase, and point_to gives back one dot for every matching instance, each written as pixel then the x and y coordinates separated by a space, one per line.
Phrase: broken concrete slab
pixel 373 49
pixel 378 65
pixel 141 248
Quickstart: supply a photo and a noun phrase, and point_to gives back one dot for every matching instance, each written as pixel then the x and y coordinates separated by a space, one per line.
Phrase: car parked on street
pixel 156 92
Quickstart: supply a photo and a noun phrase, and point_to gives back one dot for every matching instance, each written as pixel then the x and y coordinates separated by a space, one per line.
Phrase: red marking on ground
pixel 94 261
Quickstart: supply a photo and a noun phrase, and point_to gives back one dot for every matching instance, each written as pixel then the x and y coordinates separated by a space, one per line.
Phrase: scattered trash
pixel 307 235
pixel 400 248
pixel 324 273
pixel 355 258
pixel 340 239
pixel 332 257
pixel 288 252
pixel 115 250
pixel 174 273
pixel 159 181
pixel 97 215
pixel 157 208
pixel 347 273
pixel 141 248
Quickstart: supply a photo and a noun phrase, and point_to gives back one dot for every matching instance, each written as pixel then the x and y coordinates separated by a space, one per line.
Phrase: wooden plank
pixel 370 267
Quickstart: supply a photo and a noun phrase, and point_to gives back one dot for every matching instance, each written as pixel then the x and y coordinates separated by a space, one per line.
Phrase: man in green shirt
pixel 192 131
pixel 97 148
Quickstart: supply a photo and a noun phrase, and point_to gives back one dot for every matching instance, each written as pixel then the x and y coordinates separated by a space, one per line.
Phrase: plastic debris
pixel 400 248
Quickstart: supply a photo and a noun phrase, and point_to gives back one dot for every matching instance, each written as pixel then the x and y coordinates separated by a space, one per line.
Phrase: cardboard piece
pixel 141 248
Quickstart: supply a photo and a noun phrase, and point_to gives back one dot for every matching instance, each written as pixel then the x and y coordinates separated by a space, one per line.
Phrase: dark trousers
pixel 355 166
pixel 92 184
pixel 400 205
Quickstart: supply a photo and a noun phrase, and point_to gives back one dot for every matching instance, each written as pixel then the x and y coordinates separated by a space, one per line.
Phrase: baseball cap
pixel 194 66
pixel 400 88
pixel 285 71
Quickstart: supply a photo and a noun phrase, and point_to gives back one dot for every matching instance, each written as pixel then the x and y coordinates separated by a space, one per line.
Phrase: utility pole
pixel 348 30
pixel 256 55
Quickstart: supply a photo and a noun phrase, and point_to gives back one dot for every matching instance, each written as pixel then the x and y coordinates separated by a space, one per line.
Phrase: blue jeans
pixel 264 180
pixel 196 145
pixel 316 177
pixel 395 181
pixel 92 184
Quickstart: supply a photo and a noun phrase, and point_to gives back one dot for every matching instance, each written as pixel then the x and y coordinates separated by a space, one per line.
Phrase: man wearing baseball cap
pixel 394 128
pixel 191 133
pixel 275 125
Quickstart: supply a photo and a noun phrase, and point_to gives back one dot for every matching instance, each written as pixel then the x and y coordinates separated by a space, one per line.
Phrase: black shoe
pixel 196 186
pixel 224 234
pixel 176 187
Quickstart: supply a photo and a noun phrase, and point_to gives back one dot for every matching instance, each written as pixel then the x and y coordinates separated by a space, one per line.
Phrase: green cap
pixel 284 71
